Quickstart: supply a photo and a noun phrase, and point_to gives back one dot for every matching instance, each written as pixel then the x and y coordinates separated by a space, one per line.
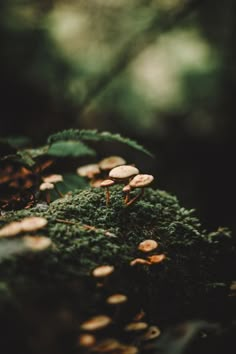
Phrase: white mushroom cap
pixel 103 271
pixel 116 299
pixel 88 170
pixel 37 243
pixel 11 229
pixel 45 186
pixel 96 323
pixel 147 245
pixel 140 181
pixel 53 178
pixel 33 223
pixel 123 172
pixel 136 326
pixel 111 162
pixel 107 183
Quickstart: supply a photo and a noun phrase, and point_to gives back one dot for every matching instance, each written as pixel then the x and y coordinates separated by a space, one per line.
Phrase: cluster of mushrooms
pixel 116 171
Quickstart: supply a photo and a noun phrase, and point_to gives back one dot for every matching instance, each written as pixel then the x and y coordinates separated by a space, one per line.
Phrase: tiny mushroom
pixel 54 179
pixel 46 187
pixel 103 271
pixel 86 340
pixel 12 229
pixel 126 191
pixel 156 258
pixel 96 323
pixel 139 261
pixel 122 174
pixel 111 162
pixel 33 223
pixel 147 245
pixel 136 326
pixel 89 171
pixel 116 299
pixel 37 243
pixel 106 184
pixel 140 181
pixel 109 345
pixel 152 332
pixel 129 349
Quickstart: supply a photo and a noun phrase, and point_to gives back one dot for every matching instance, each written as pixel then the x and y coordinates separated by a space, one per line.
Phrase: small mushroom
pixel 139 261
pixel 156 258
pixel 89 171
pixel 111 162
pixel 152 333
pixel 129 349
pixel 33 223
pixel 103 271
pixel 37 243
pixel 106 184
pixel 116 299
pixel 46 187
pixel 109 345
pixel 140 181
pixel 122 174
pixel 96 323
pixel 54 179
pixel 147 245
pixel 136 326
pixel 12 229
pixel 126 190
pixel 86 340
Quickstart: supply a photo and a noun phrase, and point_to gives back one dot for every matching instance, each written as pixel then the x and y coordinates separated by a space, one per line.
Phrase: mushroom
pixel 33 223
pixel 103 271
pixel 139 181
pixel 126 190
pixel 122 174
pixel 46 187
pixel 96 323
pixel 88 170
pixel 111 162
pixel 106 184
pixel 139 261
pixel 116 299
pixel 54 179
pixel 129 349
pixel 136 326
pixel 156 258
pixel 86 340
pixel 109 345
pixel 12 229
pixel 147 245
pixel 37 243
pixel 152 332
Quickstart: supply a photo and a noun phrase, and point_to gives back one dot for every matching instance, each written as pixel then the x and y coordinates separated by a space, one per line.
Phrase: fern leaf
pixel 63 148
pixel 94 135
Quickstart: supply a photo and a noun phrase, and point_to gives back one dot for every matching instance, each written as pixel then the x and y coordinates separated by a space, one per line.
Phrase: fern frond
pixel 94 135
pixel 63 148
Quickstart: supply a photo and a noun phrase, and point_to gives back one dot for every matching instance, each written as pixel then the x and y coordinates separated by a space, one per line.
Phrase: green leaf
pixel 94 135
pixel 74 148
pixel 28 156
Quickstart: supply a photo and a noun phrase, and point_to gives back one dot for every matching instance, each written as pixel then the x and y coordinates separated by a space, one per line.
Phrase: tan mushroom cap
pixel 103 271
pixel 147 245
pixel 88 170
pixel 37 243
pixel 107 346
pixel 45 186
pixel 53 178
pixel 116 299
pixel 156 258
pixel 139 261
pixel 107 183
pixel 12 229
pixel 33 223
pixel 111 162
pixel 123 172
pixel 96 323
pixel 96 183
pixel 152 332
pixel 140 181
pixel 86 340
pixel 126 188
pixel 129 349
pixel 136 326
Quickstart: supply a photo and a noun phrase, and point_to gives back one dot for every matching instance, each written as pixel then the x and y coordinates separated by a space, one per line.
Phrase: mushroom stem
pixel 136 197
pixel 58 192
pixel 107 196
pixel 48 197
pixel 126 201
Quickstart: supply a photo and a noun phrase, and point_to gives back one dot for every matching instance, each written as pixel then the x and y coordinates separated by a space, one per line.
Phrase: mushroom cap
pixel 152 332
pixel 156 258
pixel 86 340
pixel 123 172
pixel 136 326
pixel 53 178
pixel 107 183
pixel 139 261
pixel 116 299
pixel 129 349
pixel 147 245
pixel 45 186
pixel 107 346
pixel 126 188
pixel 37 243
pixel 103 271
pixel 33 223
pixel 140 181
pixel 96 323
pixel 88 170
pixel 11 229
pixel 111 162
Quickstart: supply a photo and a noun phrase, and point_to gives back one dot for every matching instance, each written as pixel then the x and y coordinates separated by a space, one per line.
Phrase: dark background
pixel 161 72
